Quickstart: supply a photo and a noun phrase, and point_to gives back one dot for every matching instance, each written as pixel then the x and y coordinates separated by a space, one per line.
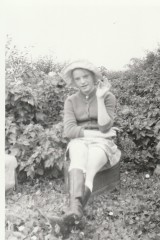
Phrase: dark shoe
pixel 87 194
pixel 76 191
pixel 74 213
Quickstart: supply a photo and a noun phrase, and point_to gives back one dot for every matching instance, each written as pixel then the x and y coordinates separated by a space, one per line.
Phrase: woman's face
pixel 84 80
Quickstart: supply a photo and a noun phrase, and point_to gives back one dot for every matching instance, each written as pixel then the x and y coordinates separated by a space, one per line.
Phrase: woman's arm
pixel 103 116
pixel 98 134
pixel 71 130
pixel 106 106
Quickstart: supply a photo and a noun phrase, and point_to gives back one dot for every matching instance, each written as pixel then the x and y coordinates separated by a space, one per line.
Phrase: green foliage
pixel 35 94
pixel 34 109
pixel 138 107
pixel 48 64
pixel 36 148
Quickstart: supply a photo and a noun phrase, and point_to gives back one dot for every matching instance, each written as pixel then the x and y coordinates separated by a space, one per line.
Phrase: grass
pixel 129 214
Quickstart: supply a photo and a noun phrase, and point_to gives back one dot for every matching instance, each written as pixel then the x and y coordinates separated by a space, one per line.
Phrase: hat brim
pixel 67 71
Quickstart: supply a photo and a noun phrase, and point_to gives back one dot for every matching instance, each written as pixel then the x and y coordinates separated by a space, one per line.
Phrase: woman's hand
pixel 103 87
pixel 95 133
pixel 110 133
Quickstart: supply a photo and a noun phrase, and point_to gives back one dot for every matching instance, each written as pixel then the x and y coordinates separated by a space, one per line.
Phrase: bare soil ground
pixel 133 213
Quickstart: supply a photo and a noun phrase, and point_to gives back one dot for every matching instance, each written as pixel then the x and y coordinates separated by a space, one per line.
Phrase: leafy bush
pixel 48 64
pixel 34 109
pixel 31 136
pixel 138 107
pixel 35 94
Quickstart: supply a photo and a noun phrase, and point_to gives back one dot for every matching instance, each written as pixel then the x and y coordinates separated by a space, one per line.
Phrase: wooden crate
pixel 105 180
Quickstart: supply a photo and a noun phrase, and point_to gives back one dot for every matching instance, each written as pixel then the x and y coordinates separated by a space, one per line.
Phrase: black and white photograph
pixel 82 120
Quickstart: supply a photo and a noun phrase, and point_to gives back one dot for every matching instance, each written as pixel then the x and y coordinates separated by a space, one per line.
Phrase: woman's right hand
pixel 103 88
pixel 110 133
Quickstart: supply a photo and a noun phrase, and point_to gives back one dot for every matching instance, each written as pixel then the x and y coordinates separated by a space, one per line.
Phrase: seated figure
pixel 88 123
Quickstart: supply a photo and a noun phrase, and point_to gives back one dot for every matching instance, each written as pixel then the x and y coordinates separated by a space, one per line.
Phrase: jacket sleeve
pixel 110 104
pixel 71 129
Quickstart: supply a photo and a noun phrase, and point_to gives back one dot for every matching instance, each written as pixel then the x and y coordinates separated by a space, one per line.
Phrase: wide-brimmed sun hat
pixel 84 64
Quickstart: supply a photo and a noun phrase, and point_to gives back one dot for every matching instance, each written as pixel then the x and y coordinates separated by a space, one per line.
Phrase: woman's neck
pixel 88 93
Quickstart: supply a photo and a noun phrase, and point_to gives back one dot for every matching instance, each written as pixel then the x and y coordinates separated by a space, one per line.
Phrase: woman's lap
pixel 86 156
pixel 78 149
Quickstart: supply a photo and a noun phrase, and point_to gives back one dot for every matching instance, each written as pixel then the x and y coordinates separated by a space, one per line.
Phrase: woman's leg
pixel 78 154
pixel 96 160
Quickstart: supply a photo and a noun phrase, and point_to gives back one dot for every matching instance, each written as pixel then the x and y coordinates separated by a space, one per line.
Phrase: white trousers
pixel 87 157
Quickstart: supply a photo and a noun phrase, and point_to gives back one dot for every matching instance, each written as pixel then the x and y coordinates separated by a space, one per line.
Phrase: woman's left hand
pixel 103 88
